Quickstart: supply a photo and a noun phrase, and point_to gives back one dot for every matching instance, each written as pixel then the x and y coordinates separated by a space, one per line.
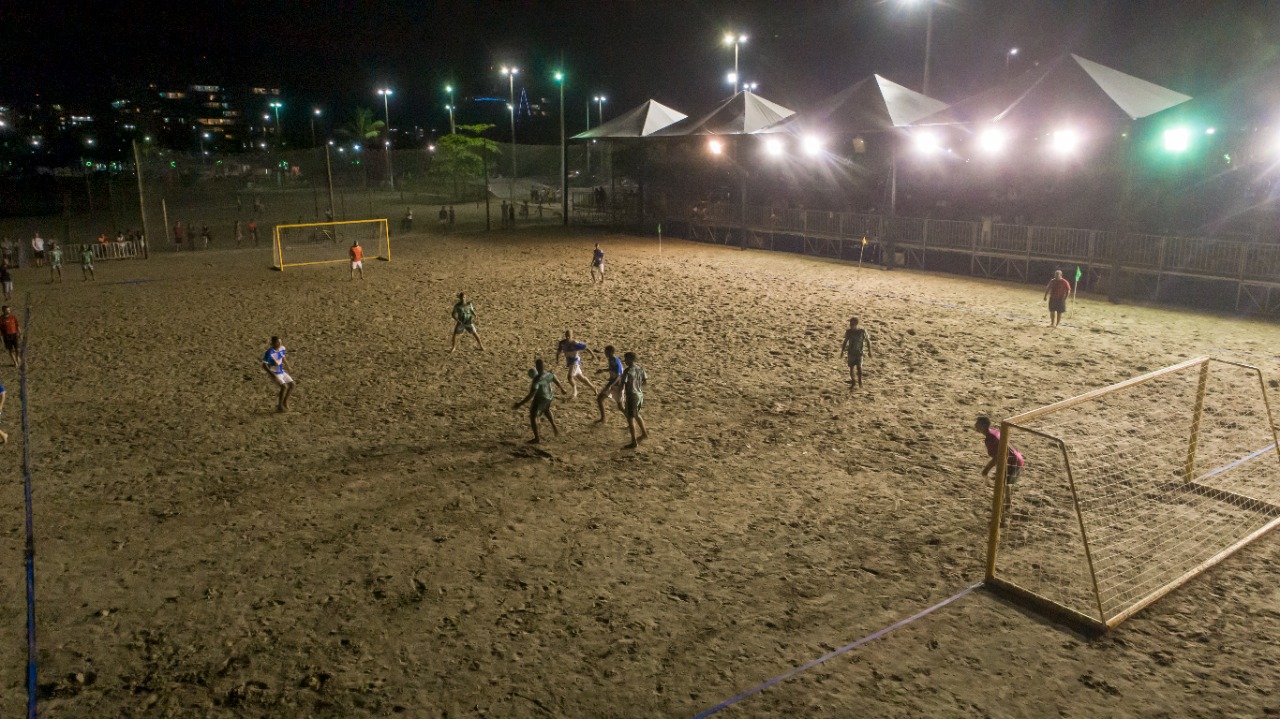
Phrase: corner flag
pixel 1076 286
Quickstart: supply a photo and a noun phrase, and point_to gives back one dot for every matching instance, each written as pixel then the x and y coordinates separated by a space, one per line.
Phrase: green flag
pixel 659 229
pixel 1078 274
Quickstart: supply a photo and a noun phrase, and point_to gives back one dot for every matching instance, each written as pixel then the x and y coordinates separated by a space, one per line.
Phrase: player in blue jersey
pixel 597 264
pixel 570 348
pixel 276 366
pixel 612 388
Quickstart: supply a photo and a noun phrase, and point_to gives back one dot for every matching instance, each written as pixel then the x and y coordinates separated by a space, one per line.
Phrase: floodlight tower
pixel 276 105
pixel 564 156
pixel 511 73
pixel 386 94
pixel 734 39
pixel 453 129
pixel 315 112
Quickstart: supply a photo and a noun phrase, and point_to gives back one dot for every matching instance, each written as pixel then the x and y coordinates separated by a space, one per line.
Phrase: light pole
pixel 386 94
pixel 276 105
pixel 734 39
pixel 315 112
pixel 511 73
pixel 564 157
pixel 1013 52
pixel 453 129
pixel 203 155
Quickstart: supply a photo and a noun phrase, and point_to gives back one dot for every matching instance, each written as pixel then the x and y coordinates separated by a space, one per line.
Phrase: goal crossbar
pixel 1266 509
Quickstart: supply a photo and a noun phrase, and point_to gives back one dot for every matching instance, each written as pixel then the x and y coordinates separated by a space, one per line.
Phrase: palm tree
pixel 363 126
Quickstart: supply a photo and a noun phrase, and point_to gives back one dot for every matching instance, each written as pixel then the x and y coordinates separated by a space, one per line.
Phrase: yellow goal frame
pixel 1102 621
pixel 278 251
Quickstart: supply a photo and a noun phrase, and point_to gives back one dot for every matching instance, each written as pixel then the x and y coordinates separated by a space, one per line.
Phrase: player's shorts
pixel 614 392
pixel 282 378
pixel 631 408
pixel 575 370
pixel 8 288
pixel 460 328
pixel 1011 474
pixel 11 342
pixel 598 266
pixel 855 359
pixel 39 254
pixel 1057 304
pixel 540 407
pixel 357 265
pixel 86 265
pixel 55 264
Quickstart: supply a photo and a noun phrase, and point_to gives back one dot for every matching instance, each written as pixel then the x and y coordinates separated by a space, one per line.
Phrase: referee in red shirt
pixel 1056 292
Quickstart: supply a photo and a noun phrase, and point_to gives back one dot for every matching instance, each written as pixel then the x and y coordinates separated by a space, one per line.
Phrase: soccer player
pixel 357 259
pixel 570 348
pixel 179 232
pixel 276 366
pixel 633 383
pixel 86 263
pixel 1013 466
pixel 37 249
pixel 597 264
pixel 9 330
pixel 1056 292
pixel 613 388
pixel 253 228
pixel 541 393
pixel 55 263
pixel 856 341
pixel 6 279
pixel 464 317
pixel 4 436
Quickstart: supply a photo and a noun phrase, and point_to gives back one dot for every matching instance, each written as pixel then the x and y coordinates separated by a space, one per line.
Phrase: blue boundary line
pixel 30 550
pixel 831 655
pixel 1236 463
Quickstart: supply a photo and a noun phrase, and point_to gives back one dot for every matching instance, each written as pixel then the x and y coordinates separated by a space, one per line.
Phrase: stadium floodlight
pixel 1064 142
pixel 1210 130
pixel 715 146
pixel 750 86
pixel 511 73
pixel 773 147
pixel 927 142
pixel 1176 139
pixel 355 147
pixel 812 145
pixel 731 78
pixel 992 140
pixel 735 39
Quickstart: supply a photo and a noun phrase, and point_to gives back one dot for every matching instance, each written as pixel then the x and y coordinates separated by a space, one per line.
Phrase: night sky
pixel 334 54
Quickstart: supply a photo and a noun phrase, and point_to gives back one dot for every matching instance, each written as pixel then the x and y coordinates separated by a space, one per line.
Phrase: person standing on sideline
pixel 541 393
pixel 239 233
pixel 570 348
pixel 37 249
pixel 464 318
pixel 55 263
pixel 357 259
pixel 856 341
pixel 277 368
pixel 597 264
pixel 633 382
pixel 1013 462
pixel 1056 292
pixel 453 217
pixel 9 330
pixel 613 388
pixel 503 212
pixel 443 216
pixel 179 234
pixel 253 230
pixel 6 279
pixel 511 215
pixel 86 264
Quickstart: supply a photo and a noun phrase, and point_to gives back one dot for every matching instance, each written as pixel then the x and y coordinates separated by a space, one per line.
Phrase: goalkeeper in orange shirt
pixel 357 259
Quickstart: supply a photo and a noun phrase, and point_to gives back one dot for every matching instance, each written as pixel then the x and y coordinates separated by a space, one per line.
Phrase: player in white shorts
pixel 357 259
pixel 597 264
pixel 613 388
pixel 570 349
pixel 276 366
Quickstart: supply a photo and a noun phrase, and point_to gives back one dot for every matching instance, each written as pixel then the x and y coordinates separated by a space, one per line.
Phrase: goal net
pixel 316 243
pixel 1127 492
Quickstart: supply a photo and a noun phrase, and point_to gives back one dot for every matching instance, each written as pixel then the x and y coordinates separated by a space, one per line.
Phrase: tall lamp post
pixel 386 94
pixel 453 129
pixel 734 39
pixel 315 112
pixel 276 105
pixel 511 73
pixel 1013 52
pixel 564 157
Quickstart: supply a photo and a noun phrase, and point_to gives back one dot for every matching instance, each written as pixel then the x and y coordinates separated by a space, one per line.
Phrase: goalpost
pixel 1131 490
pixel 318 243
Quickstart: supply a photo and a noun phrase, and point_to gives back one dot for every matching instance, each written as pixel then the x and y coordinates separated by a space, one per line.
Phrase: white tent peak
pixel 640 121
pixel 745 113
pixel 1137 97
pixel 905 105
pixel 872 104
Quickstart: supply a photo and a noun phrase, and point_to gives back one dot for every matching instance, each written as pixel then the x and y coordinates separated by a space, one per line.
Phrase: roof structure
pixel 745 113
pixel 872 104
pixel 639 121
pixel 1068 87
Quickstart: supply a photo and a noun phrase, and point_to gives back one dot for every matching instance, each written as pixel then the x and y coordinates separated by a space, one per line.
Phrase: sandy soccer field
pixel 393 547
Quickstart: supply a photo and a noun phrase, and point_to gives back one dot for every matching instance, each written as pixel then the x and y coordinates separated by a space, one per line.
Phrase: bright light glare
pixel 1210 131
pixel 1064 141
pixel 992 139
pixel 732 78
pixel 1177 139
pixel 811 145
pixel 773 147
pixel 928 142
pixel 716 147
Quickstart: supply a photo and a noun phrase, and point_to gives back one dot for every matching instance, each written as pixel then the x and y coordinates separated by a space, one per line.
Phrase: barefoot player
pixel 856 341
pixel 357 259
pixel 633 382
pixel 570 348
pixel 9 329
pixel 55 264
pixel 464 318
pixel 613 388
pixel 541 393
pixel 276 366
pixel 1056 292
pixel 1013 466
pixel 597 264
